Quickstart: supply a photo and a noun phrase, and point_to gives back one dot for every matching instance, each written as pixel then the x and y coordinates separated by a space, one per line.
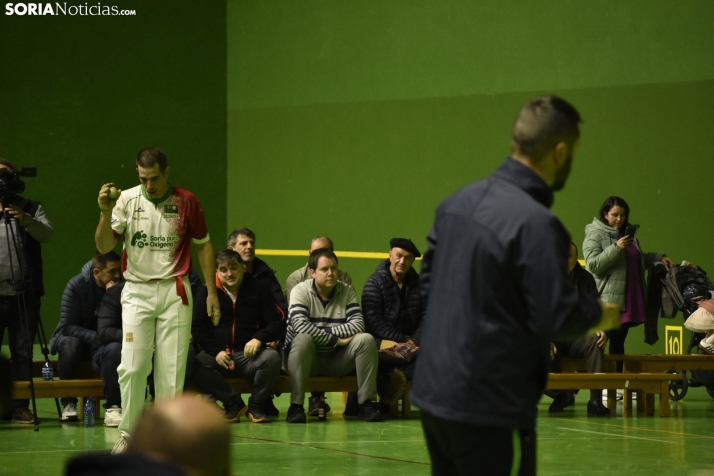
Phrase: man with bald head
pixel 182 436
pixel 303 274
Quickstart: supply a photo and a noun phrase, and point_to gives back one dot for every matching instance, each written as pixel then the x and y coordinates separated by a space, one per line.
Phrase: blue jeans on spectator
pixel 105 362
pixel 71 352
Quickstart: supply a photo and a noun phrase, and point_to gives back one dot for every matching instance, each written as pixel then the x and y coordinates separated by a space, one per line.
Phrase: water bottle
pixel 47 371
pixel 89 412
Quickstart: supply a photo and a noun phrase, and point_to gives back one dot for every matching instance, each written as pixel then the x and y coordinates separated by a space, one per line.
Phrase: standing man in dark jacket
pixel 590 347
pixel 24 227
pixel 236 347
pixel 74 336
pixel 498 295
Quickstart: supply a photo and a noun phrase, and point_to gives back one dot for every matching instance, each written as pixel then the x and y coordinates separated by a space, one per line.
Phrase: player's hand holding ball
pixel 108 196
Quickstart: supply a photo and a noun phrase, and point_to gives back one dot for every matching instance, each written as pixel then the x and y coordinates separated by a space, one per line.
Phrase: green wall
pixel 355 119
pixel 81 95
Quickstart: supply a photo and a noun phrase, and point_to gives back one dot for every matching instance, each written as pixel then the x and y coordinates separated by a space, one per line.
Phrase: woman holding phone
pixel 614 256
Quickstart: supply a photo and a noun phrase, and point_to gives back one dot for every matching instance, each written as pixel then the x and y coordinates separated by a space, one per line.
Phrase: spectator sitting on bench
pixel 106 351
pixel 242 241
pixel 326 337
pixel 77 328
pixel 590 346
pixel 393 313
pixel 297 277
pixel 249 320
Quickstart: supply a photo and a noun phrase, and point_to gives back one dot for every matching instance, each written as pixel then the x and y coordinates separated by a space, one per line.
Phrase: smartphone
pixel 631 230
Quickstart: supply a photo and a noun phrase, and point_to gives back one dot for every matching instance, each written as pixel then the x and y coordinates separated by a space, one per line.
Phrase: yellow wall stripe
pixel 340 254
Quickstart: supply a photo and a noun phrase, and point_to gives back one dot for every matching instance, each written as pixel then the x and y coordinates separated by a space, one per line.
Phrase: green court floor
pixel 568 444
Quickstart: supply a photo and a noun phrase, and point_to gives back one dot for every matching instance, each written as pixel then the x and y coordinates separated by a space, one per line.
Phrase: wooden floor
pixel 569 443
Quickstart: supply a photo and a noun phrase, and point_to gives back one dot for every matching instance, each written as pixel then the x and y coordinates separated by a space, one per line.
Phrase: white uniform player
pixel 158 222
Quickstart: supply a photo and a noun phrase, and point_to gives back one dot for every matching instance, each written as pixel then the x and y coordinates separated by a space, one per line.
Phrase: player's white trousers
pixel 155 323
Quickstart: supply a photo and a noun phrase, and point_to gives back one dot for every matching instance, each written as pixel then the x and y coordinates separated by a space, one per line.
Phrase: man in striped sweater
pixel 326 337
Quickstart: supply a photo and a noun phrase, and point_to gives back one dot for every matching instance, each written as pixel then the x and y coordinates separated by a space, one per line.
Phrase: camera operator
pixel 24 226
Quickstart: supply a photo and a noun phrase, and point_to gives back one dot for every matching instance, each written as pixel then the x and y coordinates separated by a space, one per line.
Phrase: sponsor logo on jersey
pixel 156 243
pixel 137 214
pixel 171 211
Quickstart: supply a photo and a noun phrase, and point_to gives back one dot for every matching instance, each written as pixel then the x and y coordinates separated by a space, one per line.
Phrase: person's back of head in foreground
pixel 187 432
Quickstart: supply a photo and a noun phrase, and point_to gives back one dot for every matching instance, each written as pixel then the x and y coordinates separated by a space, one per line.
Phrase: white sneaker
pixel 113 416
pixel 120 445
pixel 70 412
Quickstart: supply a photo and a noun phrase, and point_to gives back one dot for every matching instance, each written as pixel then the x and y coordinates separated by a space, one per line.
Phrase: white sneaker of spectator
pixel 113 416
pixel 69 413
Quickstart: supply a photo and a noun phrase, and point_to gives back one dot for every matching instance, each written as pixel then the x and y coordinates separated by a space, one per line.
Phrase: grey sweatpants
pixel 304 361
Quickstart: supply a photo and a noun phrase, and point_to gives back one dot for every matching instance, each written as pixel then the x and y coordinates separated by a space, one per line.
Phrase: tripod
pixel 27 305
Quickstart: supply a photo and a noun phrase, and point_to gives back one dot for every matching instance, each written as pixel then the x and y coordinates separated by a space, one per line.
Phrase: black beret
pixel 405 244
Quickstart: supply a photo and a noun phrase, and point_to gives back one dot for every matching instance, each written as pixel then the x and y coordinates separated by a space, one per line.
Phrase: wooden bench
pixel 645 363
pixel 648 384
pixel 91 386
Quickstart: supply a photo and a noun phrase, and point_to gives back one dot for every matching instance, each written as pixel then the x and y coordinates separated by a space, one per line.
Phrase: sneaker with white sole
pixel 112 417
pixel 120 445
pixel 69 413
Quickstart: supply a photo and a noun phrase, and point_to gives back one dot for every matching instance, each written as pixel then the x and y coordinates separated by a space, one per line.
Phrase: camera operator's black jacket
pixel 31 244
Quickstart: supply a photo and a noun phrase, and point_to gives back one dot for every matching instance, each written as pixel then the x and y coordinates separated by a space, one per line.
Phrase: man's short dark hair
pixel 7 163
pixel 151 156
pixel 320 253
pixel 541 124
pixel 228 255
pixel 331 245
pixel 233 237
pixel 100 260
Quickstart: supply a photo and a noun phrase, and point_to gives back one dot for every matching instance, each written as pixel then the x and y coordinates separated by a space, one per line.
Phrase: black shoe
pixel 561 401
pixel 269 407
pixel 296 414
pixel 255 412
pixel 390 385
pixel 314 405
pixel 596 408
pixel 235 409
pixel 351 407
pixel 369 411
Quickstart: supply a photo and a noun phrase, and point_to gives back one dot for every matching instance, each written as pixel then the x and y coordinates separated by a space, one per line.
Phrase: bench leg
pixel 649 402
pixel 664 400
pixel 406 404
pixel 645 405
pixel 627 399
pixel 612 400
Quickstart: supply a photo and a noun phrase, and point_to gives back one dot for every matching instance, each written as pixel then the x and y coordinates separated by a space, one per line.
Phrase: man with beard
pixel 498 294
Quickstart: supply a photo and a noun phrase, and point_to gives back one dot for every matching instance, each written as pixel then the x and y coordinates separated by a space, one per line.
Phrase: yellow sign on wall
pixel 673 340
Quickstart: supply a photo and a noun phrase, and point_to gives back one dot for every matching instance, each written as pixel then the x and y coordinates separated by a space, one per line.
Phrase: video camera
pixel 11 184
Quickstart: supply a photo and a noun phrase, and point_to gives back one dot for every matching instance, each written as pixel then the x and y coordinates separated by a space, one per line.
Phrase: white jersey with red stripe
pixel 158 233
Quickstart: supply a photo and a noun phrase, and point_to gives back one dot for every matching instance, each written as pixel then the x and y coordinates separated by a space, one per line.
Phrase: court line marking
pixel 310 446
pixel 613 434
pixel 610 425
pixel 345 442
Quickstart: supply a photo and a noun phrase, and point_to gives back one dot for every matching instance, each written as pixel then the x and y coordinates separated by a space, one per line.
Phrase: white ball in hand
pixel 113 192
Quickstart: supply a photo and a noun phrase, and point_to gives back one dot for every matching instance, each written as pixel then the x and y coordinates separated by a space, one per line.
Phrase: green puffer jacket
pixel 607 262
